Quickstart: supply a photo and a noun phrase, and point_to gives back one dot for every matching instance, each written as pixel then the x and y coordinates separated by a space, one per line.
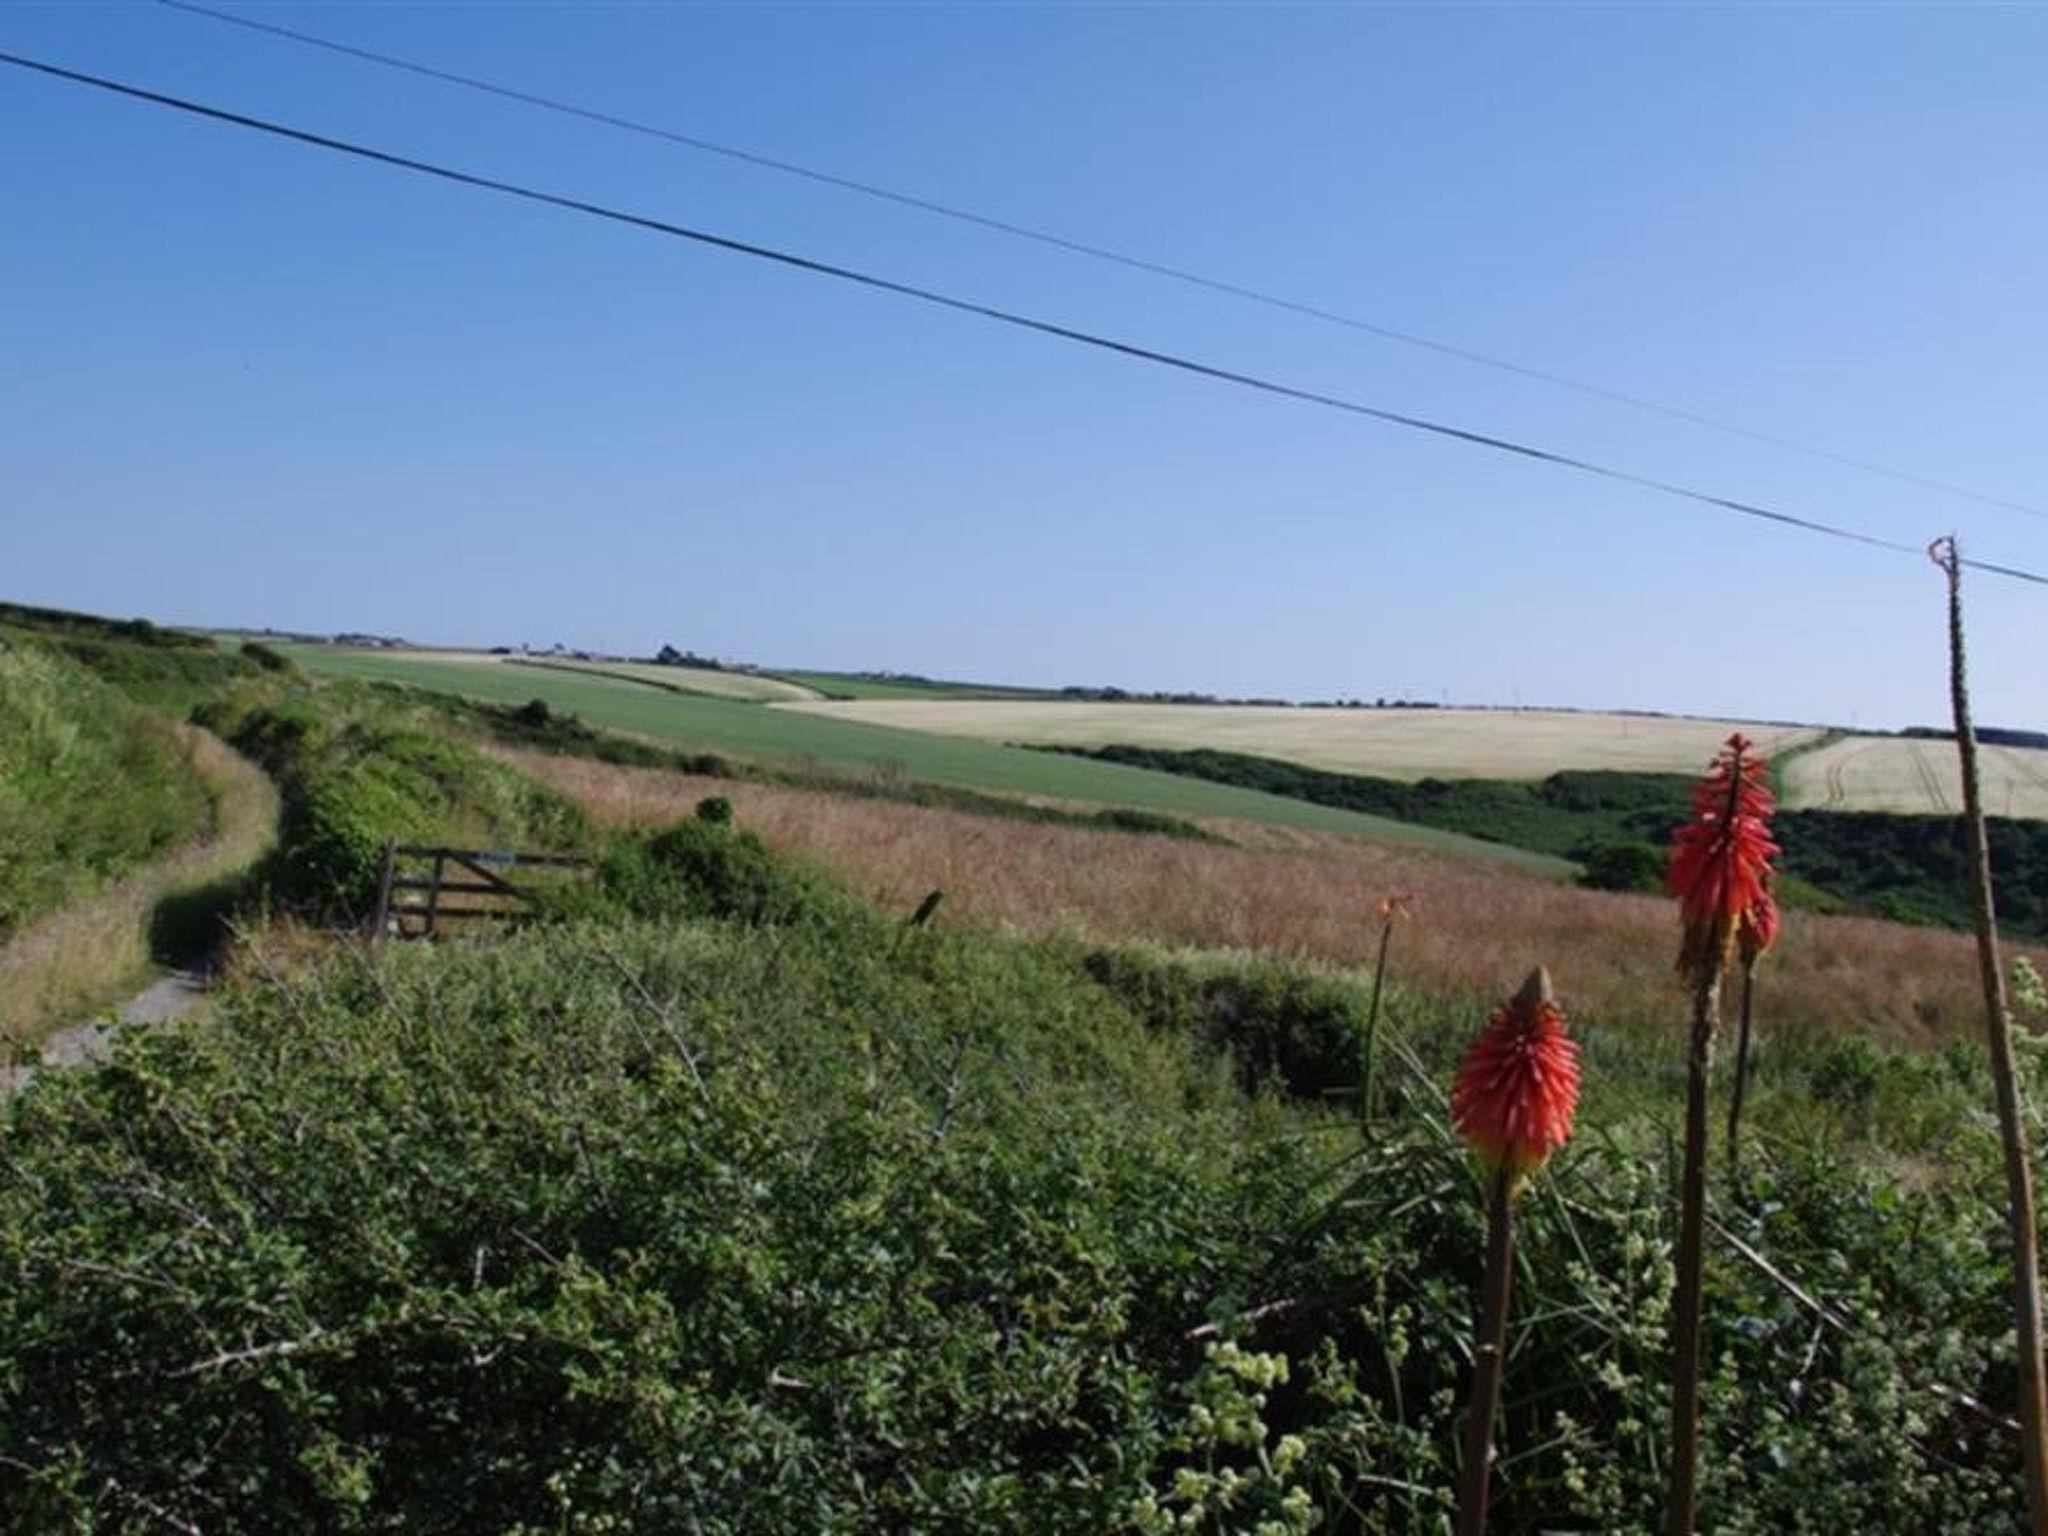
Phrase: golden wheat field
pixel 1386 743
pixel 1307 895
pixel 1920 777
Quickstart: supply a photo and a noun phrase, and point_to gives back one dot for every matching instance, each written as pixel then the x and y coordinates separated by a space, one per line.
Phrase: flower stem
pixel 1490 1349
pixel 1741 1085
pixel 1368 1078
pixel 2019 1181
pixel 1686 1308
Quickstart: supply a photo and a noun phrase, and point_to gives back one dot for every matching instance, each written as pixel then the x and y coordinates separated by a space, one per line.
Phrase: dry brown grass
pixel 62 967
pixel 1478 927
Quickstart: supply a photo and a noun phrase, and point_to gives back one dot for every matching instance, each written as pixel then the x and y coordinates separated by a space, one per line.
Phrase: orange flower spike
pixel 1757 929
pixel 1721 859
pixel 1393 908
pixel 1519 1086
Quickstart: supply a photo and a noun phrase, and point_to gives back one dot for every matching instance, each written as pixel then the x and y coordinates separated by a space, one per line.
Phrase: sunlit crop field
pixel 752 686
pixel 1894 773
pixel 1387 743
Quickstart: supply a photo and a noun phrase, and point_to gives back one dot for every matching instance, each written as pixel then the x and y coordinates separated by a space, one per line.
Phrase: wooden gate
pixel 415 883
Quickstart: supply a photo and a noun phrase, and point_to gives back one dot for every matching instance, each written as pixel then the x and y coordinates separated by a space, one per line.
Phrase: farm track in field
pixel 1930 781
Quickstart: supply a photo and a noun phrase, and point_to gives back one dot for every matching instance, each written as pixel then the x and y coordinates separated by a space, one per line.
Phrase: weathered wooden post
pixel 434 890
pixel 380 916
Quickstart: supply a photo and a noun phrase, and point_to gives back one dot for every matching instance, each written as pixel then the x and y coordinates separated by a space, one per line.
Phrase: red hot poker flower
pixel 1519 1085
pixel 1757 929
pixel 1721 859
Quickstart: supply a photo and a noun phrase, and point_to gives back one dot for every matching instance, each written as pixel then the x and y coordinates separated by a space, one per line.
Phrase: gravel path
pixel 171 997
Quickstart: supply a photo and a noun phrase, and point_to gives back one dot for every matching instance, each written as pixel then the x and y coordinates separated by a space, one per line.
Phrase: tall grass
pixel 64 965
pixel 91 785
pixel 1886 983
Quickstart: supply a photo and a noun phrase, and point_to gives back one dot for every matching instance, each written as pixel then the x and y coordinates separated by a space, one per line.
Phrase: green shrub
pixel 1277 1023
pixel 705 868
pixel 1623 867
pixel 266 658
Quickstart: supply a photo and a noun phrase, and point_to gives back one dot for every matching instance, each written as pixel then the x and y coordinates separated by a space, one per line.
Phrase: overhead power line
pixel 792 260
pixel 1097 252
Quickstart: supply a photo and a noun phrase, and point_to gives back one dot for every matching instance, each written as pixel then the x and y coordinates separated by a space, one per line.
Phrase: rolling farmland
pixel 786 734
pixel 1385 743
pixel 1915 776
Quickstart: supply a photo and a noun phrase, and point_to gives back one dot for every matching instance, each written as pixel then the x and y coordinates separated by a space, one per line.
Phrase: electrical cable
pixel 1094 252
pixel 1092 339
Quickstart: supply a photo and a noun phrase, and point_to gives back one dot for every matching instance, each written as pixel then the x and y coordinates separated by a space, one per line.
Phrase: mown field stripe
pixel 777 735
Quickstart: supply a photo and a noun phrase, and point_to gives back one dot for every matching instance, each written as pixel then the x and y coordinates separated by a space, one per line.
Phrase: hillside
pixel 773 734
pixel 90 785
pixel 124 833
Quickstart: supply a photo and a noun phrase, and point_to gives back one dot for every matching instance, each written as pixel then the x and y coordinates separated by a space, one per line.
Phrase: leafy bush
pixel 1623 867
pixel 268 659
pixel 706 868
pixel 723 1230
pixel 1277 1023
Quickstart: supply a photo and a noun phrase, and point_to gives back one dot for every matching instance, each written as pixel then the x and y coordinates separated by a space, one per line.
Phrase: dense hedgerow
pixel 357 770
pixel 776 1216
pixel 90 785
pixel 168 668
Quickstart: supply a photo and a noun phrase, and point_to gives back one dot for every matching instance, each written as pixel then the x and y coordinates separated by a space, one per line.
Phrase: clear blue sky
pixel 245 382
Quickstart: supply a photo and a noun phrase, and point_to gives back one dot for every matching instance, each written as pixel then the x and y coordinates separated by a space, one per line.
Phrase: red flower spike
pixel 1519 1084
pixel 1721 859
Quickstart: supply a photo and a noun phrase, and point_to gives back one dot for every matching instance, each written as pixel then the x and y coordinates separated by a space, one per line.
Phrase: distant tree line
pixel 1996 735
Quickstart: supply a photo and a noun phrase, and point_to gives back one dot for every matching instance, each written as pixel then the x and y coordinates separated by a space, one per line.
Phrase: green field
pixel 851 685
pixel 784 736
pixel 749 687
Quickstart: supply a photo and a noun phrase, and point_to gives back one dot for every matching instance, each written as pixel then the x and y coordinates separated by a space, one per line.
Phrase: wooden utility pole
pixel 2019 1178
